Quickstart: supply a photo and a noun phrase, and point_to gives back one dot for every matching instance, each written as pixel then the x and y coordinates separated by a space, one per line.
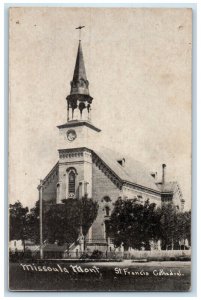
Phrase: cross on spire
pixel 80 28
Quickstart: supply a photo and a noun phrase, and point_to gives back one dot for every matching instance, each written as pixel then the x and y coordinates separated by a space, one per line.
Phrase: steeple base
pixel 77 123
pixel 78 133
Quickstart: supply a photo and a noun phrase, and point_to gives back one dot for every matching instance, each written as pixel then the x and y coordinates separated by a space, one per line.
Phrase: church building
pixel 85 167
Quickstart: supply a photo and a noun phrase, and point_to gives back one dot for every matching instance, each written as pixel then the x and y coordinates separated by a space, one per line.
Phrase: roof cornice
pixel 78 123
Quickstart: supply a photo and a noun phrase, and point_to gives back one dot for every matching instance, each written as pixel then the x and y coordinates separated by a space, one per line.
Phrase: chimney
pixel 163 173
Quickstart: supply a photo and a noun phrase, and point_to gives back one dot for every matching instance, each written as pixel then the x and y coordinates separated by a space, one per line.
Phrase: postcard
pixel 100 149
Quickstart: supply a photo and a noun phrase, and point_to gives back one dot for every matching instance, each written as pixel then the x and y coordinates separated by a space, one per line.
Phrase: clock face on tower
pixel 71 135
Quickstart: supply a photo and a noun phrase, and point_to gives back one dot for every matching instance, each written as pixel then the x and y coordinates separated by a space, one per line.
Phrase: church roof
pixel 133 171
pixel 169 187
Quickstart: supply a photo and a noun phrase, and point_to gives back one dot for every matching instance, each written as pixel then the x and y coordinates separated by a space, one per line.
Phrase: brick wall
pixel 49 190
pixel 141 195
pixel 102 186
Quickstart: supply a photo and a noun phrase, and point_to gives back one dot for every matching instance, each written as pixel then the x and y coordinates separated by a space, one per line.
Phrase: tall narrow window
pixel 107 211
pixel 58 191
pixel 71 183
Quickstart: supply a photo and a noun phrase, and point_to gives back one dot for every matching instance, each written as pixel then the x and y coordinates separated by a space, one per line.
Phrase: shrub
pixel 19 255
pixel 84 256
pixel 97 254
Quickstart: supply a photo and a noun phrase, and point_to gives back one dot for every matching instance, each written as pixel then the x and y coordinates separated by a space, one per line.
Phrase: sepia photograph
pixel 100 149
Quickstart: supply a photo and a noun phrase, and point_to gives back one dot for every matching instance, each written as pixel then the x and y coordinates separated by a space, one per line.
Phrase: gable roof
pixel 132 172
pixel 169 187
pixel 51 173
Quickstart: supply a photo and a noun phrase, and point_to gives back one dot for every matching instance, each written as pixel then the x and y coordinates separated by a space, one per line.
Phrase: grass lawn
pixel 100 276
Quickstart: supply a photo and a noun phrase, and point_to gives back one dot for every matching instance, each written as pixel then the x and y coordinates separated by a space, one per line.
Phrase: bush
pixel 84 256
pixel 14 256
pixel 19 255
pixel 97 254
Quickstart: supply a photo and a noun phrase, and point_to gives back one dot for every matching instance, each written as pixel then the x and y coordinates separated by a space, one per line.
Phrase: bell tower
pixel 77 138
pixel 79 98
pixel 78 131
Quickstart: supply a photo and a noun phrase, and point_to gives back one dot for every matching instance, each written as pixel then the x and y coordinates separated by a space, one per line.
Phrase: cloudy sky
pixel 138 63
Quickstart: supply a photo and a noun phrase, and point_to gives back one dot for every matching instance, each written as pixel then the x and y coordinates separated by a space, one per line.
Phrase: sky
pixel 138 63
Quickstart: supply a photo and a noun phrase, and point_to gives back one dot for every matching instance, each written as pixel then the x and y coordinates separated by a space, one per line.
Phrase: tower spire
pixel 79 97
pixel 79 71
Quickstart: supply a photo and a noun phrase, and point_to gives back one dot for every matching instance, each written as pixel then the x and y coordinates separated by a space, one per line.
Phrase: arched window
pixel 107 211
pixel 106 199
pixel 71 183
pixel 58 191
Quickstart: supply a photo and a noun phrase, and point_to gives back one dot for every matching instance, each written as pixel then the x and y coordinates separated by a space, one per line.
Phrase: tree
pixel 151 228
pixel 187 226
pixel 88 211
pixel 134 224
pixel 18 222
pixel 184 226
pixel 33 223
pixel 63 222
pixel 168 225
pixel 174 226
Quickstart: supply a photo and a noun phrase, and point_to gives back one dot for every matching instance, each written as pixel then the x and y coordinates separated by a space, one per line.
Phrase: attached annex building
pixel 82 168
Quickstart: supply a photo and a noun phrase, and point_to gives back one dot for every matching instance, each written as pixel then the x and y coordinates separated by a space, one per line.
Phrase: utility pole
pixel 40 189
